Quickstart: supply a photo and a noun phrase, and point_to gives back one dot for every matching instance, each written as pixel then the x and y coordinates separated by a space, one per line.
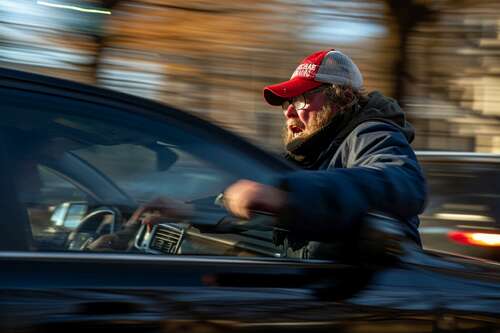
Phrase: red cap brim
pixel 280 92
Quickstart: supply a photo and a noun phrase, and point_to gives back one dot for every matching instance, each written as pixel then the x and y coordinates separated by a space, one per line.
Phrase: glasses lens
pixel 299 102
pixel 285 105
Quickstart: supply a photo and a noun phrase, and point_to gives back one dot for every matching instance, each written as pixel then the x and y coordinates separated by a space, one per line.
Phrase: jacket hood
pixel 309 152
pixel 380 107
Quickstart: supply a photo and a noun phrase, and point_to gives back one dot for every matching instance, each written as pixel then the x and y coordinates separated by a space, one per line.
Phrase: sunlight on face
pixel 316 121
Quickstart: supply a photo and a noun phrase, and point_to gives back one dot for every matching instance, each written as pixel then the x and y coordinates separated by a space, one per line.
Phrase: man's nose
pixel 290 112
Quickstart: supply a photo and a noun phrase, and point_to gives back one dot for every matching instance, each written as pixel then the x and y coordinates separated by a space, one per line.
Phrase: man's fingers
pixel 159 209
pixel 138 212
pixel 154 218
pixel 146 208
pixel 237 208
pixel 160 206
pixel 103 242
pixel 244 196
pixel 239 198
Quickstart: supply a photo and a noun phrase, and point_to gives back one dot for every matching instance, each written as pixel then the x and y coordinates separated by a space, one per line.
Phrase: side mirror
pixel 69 214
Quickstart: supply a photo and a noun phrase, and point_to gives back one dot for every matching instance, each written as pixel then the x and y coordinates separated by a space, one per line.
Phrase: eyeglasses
pixel 302 101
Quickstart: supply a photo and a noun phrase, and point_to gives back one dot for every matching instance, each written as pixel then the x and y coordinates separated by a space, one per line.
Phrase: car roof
pixel 454 156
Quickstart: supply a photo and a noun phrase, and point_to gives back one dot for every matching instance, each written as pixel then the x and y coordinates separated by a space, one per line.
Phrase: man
pixel 355 152
pixel 354 149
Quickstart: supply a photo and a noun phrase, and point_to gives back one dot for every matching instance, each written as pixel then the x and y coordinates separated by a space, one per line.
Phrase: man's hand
pixel 112 242
pixel 159 209
pixel 153 212
pixel 245 196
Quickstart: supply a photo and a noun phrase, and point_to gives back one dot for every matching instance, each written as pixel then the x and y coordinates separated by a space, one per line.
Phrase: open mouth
pixel 295 130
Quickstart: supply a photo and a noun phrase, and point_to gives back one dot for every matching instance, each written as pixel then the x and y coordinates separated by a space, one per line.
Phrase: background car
pixel 463 210
pixel 66 147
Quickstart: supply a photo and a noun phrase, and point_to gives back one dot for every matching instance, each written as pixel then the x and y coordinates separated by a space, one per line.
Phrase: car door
pixel 143 150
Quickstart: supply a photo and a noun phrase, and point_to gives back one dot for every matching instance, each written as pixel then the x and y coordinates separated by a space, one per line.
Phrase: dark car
pixel 463 210
pixel 77 161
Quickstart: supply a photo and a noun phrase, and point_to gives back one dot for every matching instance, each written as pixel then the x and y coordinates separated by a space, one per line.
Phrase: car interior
pixel 62 201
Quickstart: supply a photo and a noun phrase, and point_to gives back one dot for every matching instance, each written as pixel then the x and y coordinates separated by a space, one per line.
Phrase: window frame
pixel 73 94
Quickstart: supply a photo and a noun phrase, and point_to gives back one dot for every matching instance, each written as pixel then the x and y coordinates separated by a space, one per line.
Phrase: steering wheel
pixel 92 226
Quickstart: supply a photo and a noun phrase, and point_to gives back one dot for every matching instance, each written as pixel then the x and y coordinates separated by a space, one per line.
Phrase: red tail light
pixel 475 238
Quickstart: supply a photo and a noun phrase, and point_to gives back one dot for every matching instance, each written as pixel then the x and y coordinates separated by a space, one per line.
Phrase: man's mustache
pixel 294 122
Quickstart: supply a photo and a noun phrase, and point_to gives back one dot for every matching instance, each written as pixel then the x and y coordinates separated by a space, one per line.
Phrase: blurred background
pixel 440 59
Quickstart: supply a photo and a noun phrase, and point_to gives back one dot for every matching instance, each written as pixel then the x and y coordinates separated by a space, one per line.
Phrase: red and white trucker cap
pixel 328 66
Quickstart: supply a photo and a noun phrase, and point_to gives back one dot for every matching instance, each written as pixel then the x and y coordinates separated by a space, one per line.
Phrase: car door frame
pixel 40 87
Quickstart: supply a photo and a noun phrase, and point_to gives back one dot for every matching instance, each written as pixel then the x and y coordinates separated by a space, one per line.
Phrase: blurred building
pixel 212 58
pixel 455 77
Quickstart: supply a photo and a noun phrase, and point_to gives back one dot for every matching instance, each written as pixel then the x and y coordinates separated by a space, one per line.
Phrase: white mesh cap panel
pixel 337 68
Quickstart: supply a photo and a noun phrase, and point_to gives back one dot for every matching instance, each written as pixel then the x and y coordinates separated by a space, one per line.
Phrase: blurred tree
pixel 407 14
pixel 454 59
pixel 101 39
pixel 208 57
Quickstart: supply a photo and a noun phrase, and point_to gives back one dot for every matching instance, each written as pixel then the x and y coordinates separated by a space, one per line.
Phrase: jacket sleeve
pixel 381 174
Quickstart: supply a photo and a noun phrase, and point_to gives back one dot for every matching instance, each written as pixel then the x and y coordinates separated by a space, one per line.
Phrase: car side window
pixel 138 171
pixel 462 190
pixel 95 166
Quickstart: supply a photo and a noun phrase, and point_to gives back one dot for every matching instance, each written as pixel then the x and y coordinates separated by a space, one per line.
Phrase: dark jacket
pixel 362 161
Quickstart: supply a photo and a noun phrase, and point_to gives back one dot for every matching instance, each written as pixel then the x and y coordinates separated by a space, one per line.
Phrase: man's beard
pixel 317 122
